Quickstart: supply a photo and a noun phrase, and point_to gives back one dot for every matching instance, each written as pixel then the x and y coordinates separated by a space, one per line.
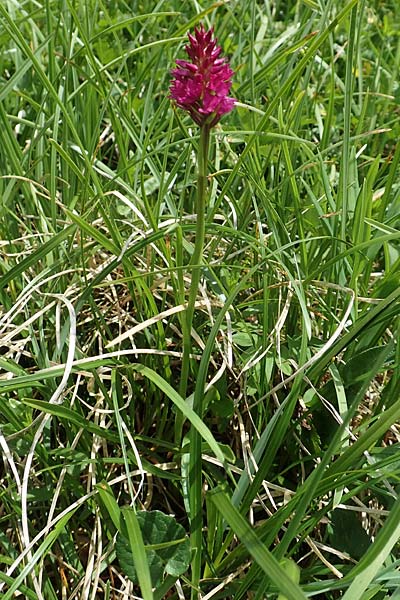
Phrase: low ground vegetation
pixel 293 386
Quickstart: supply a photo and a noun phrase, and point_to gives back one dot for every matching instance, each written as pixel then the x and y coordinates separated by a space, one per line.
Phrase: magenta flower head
pixel 201 85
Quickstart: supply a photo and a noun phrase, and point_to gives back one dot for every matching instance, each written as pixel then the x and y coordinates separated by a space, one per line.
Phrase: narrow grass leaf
pixel 138 552
pixel 37 255
pixel 40 552
pixel 376 555
pixel 255 547
pixel 188 412
pixel 110 503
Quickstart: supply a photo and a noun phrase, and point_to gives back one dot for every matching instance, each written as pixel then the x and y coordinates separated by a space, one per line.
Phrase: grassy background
pixel 295 339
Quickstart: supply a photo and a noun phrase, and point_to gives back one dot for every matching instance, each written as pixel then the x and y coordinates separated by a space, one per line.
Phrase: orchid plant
pixel 201 86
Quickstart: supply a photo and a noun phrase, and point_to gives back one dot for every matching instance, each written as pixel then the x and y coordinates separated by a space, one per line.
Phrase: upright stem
pixel 195 478
pixel 200 205
pixel 195 470
pixel 195 264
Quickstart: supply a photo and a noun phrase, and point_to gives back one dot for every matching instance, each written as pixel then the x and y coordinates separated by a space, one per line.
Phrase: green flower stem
pixel 195 264
pixel 195 471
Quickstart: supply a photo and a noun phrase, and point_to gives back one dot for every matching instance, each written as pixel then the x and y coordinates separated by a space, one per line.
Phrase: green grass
pixel 293 397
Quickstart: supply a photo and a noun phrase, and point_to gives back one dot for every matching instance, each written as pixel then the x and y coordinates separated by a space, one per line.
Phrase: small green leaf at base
pixel 167 547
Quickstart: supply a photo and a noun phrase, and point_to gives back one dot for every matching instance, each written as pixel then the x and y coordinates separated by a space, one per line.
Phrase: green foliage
pixel 348 535
pixel 292 403
pixel 166 544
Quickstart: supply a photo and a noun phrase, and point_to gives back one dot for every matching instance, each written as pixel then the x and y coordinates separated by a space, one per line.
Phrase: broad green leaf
pixel 126 561
pixel 166 544
pixel 348 535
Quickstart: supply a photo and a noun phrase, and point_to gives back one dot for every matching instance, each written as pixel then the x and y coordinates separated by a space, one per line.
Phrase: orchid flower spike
pixel 202 84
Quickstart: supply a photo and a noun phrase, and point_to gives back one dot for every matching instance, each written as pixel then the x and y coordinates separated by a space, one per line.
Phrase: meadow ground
pixel 249 452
